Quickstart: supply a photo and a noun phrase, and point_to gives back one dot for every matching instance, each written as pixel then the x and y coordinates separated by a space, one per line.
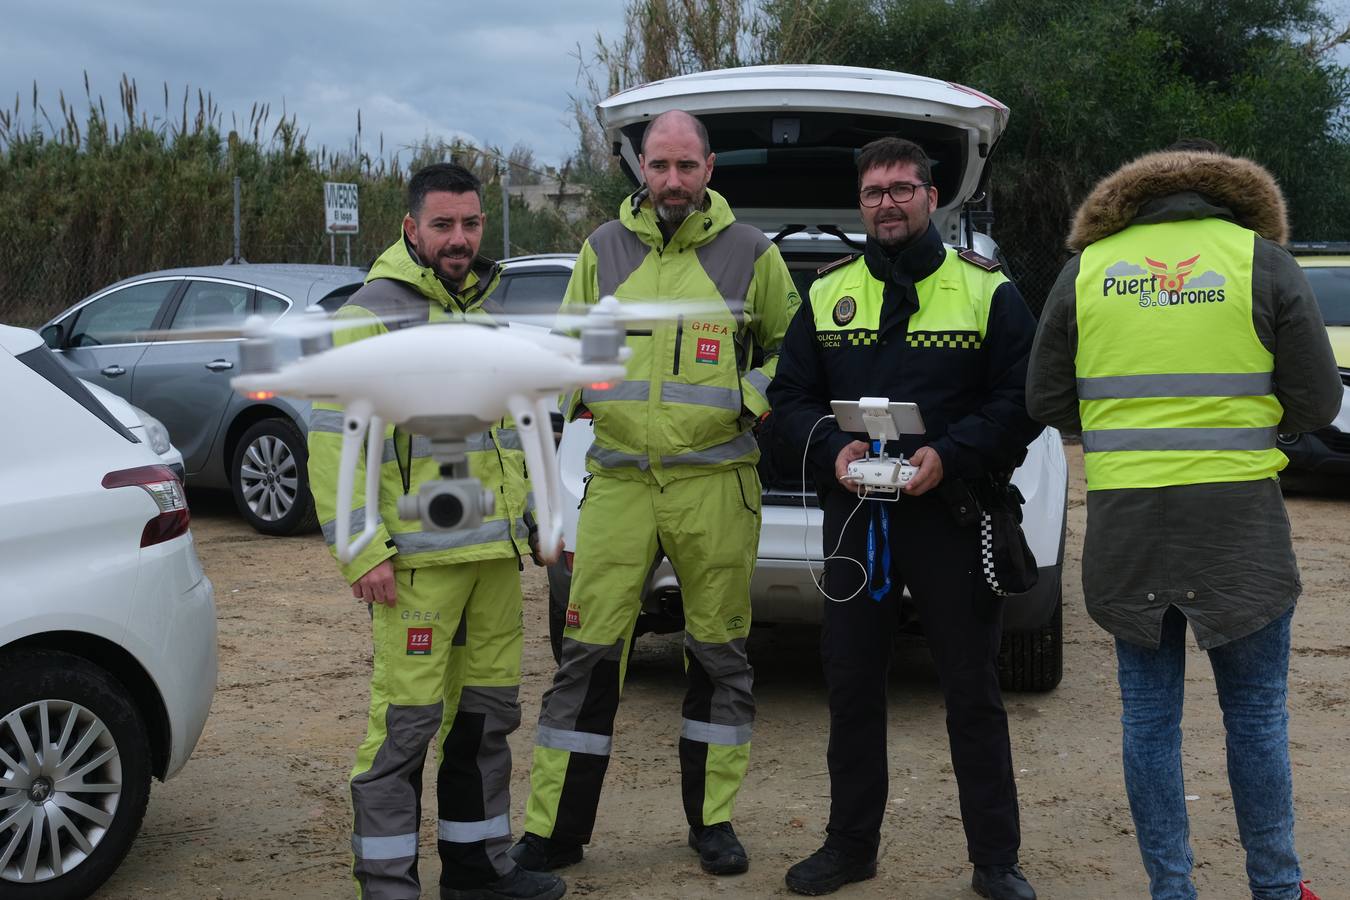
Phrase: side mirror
pixel 53 336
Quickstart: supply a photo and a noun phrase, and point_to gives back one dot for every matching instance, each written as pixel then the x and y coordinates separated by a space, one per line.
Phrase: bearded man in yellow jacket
pixel 445 605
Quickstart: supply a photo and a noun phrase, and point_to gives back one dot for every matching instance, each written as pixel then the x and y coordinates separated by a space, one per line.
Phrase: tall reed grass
pixel 88 197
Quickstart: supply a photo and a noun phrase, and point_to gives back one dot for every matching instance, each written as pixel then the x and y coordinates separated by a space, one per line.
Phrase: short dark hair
pixel 699 129
pixel 450 177
pixel 1194 145
pixel 888 151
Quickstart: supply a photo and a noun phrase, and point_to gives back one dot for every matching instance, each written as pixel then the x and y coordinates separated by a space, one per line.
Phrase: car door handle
pixel 219 365
pixel 113 371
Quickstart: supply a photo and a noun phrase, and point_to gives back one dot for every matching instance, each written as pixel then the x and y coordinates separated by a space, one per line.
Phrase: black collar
pixel 913 262
pixel 899 270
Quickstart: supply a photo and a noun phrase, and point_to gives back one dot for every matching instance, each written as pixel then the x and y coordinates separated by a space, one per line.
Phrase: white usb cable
pixel 806 527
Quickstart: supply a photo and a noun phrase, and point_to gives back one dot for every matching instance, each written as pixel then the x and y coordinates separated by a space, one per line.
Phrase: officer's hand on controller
pixel 929 474
pixel 377 585
pixel 855 450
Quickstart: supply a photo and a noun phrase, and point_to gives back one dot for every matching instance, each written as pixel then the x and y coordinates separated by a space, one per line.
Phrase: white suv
pixel 786 138
pixel 107 629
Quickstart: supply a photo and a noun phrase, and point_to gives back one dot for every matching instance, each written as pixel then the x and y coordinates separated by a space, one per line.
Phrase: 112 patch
pixel 419 641
pixel 708 350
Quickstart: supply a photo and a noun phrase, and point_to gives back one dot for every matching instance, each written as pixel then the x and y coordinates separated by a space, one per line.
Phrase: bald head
pixel 676 122
pixel 676 165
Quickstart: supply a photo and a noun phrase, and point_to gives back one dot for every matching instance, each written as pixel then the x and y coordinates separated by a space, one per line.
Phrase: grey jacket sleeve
pixel 1052 385
pixel 1290 325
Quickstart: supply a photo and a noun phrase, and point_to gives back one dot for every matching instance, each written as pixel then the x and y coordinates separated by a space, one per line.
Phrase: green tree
pixel 1094 83
pixel 1090 85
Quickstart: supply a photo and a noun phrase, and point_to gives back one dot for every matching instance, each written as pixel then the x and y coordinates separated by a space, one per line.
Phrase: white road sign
pixel 340 212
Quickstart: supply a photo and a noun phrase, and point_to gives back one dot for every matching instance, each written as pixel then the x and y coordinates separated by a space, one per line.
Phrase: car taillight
pixel 164 487
pixel 584 414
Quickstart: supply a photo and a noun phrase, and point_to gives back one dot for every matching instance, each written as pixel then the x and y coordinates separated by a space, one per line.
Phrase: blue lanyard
pixel 879 592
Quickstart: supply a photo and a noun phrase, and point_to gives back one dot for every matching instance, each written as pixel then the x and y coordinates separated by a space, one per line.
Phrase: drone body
pixel 438 370
pixel 444 381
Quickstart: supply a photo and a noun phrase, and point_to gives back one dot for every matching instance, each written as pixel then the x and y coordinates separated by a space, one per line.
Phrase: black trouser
pixel 939 562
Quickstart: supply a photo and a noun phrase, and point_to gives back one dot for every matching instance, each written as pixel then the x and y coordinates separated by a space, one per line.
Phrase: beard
pixel 452 264
pixel 894 239
pixel 674 213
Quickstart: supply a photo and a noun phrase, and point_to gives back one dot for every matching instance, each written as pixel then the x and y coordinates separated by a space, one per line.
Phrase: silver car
pixel 256 449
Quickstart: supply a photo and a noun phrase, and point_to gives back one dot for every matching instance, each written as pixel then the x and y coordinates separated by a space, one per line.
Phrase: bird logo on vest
pixel 1169 280
pixel 845 308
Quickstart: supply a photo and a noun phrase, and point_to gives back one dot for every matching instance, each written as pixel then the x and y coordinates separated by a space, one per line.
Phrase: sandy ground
pixel 261 809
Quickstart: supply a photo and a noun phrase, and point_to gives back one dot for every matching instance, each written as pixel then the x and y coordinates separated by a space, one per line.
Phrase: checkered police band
pixel 944 340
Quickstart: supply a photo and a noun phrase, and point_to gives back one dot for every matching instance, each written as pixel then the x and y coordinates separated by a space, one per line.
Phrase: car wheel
pixel 270 479
pixel 1034 660
pixel 74 776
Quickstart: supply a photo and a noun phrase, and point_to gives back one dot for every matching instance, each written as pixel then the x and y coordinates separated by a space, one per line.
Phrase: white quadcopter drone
pixel 447 381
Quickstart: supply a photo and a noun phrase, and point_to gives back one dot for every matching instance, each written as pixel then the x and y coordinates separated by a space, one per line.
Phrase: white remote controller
pixel 881 475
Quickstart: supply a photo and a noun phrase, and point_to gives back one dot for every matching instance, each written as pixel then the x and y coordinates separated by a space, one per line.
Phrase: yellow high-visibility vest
pixel 1174 385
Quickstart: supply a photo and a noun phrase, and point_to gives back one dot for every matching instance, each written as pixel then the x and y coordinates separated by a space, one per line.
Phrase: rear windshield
pixel 1331 286
pixel 805 160
pixel 42 361
pixel 334 299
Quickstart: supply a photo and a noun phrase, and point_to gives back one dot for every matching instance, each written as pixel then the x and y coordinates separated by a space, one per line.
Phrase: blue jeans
pixel 1251 675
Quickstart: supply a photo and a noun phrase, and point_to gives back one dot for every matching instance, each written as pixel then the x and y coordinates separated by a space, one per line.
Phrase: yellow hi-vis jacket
pixel 691 394
pixel 1174 385
pixel 401 289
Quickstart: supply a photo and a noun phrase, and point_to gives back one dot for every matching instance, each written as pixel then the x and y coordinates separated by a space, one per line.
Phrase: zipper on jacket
pixel 679 333
pixel 585 486
pixel 405 471
pixel 501 489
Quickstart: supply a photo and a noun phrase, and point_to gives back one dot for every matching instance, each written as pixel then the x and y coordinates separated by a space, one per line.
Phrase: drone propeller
pixel 301 327
pixel 604 326
pixel 612 311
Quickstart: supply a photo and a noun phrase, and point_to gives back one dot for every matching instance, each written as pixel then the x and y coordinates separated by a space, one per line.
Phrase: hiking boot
pixel 1001 883
pixel 540 854
pixel 826 871
pixel 519 885
pixel 719 852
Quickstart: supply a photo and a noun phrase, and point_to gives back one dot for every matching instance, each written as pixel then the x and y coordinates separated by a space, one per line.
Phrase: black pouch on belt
pixel 1006 558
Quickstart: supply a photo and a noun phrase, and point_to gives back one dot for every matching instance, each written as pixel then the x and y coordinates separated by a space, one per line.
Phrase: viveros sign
pixel 340 208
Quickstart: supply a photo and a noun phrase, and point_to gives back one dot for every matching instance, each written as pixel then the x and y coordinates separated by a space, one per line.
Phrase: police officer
pixel 672 472
pixel 445 605
pixel 912 320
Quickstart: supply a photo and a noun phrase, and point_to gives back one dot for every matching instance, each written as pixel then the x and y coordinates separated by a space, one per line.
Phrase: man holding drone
pixel 672 472
pixel 445 604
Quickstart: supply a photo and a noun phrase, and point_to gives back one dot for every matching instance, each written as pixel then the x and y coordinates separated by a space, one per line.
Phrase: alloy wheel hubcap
pixel 269 478
pixel 60 783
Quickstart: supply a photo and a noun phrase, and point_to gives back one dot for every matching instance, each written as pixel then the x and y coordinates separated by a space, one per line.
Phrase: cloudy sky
pixel 496 73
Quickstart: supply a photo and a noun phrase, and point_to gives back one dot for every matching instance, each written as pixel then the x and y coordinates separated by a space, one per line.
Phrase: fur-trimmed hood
pixel 1241 186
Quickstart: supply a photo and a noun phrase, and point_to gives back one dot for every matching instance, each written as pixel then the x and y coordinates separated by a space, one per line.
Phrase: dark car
pixel 120 338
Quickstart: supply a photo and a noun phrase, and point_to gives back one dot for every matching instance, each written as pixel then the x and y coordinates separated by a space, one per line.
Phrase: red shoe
pixel 1307 893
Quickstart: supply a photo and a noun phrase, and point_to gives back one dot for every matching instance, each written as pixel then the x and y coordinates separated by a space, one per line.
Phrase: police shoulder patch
pixel 842 261
pixel 976 259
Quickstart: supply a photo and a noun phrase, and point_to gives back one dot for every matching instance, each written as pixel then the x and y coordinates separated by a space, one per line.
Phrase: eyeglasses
pixel 901 192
